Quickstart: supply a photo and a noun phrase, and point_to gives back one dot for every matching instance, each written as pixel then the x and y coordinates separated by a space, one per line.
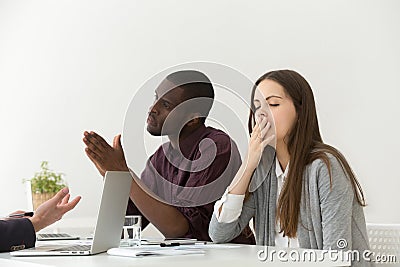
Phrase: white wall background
pixel 70 66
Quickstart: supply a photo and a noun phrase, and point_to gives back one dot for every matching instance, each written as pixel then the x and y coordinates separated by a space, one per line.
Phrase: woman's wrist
pixel 240 187
pixel 250 167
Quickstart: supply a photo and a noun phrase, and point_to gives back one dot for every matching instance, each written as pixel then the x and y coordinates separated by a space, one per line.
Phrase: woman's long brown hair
pixel 304 144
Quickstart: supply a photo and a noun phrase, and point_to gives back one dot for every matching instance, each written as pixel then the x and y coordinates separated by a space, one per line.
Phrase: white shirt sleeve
pixel 231 207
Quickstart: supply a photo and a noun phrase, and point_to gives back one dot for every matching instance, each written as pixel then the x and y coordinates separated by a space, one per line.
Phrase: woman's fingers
pixel 255 132
pixel 261 129
pixel 256 129
pixel 267 141
pixel 264 130
pixel 263 121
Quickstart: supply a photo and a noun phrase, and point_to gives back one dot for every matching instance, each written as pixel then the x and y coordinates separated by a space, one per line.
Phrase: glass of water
pixel 132 231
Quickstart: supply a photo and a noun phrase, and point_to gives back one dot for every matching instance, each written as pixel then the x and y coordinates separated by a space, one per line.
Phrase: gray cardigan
pixel 327 213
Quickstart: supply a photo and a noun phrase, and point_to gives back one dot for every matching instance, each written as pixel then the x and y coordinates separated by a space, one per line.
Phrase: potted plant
pixel 45 184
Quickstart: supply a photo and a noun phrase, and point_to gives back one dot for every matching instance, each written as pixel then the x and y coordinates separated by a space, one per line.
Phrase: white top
pixel 232 208
pixel 280 240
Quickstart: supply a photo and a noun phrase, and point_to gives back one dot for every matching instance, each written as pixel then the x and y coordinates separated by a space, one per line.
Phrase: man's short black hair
pixel 195 84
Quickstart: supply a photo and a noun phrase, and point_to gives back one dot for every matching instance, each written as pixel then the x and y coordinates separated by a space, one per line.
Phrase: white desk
pixel 243 256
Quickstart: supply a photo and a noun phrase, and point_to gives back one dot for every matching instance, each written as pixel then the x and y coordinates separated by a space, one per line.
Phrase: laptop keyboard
pixel 74 248
pixel 58 236
pixel 53 235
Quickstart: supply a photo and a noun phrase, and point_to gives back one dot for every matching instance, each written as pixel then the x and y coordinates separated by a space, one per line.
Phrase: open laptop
pixel 110 219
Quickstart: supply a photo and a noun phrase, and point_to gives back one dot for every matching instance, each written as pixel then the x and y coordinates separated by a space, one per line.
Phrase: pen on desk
pixel 173 244
pixel 20 215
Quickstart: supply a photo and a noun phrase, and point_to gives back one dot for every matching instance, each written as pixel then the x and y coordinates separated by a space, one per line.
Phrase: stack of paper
pixel 143 251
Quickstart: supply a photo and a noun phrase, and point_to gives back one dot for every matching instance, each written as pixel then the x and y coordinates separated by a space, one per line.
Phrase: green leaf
pixel 46 181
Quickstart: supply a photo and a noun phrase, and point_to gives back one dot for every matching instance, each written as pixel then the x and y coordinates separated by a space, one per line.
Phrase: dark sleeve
pixel 198 219
pixel 133 210
pixel 16 234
